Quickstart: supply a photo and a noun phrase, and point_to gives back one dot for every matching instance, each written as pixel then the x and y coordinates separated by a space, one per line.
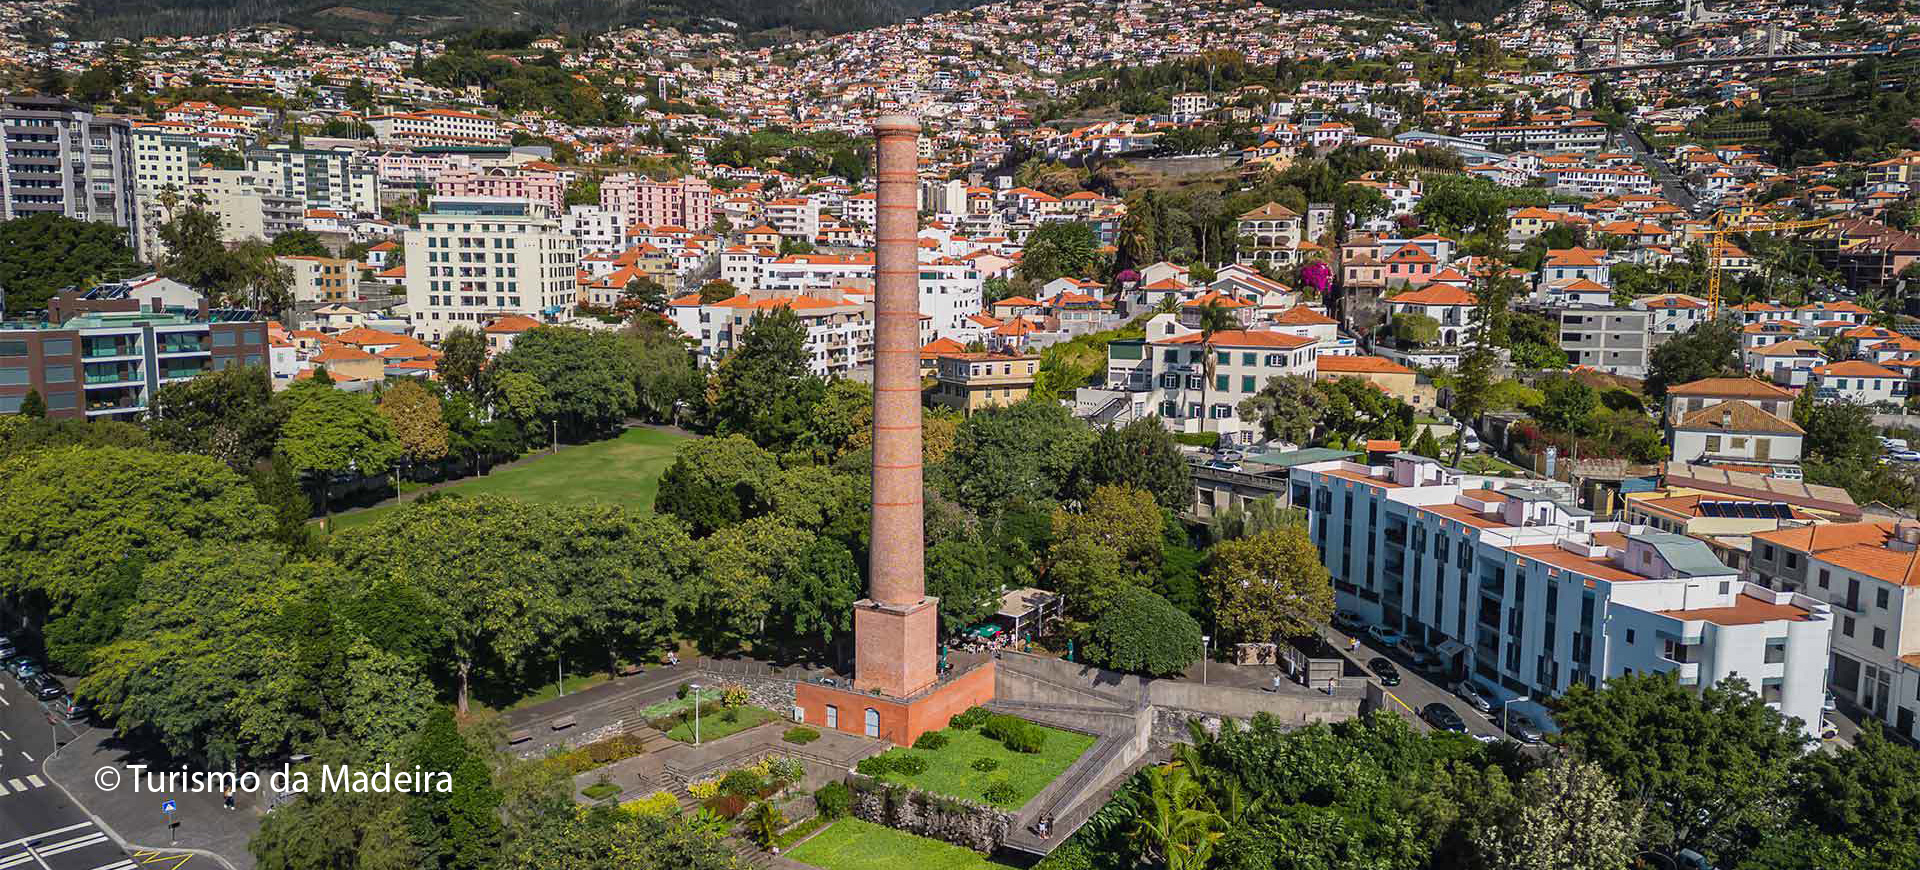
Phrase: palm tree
pixel 1214 318
pixel 765 822
pixel 1174 822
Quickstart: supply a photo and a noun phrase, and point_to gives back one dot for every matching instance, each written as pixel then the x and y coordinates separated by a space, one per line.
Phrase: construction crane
pixel 1726 225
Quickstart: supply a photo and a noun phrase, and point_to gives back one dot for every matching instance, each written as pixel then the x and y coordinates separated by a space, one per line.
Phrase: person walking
pixel 227 798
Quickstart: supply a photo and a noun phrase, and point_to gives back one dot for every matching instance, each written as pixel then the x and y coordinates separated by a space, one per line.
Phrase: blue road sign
pixel 168 807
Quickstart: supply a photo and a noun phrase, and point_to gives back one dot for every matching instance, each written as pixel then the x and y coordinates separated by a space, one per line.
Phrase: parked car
pixel 23 668
pixel 1423 659
pixel 1229 456
pixel 1828 730
pixel 1523 730
pixel 46 688
pixel 1904 455
pixel 1384 636
pixel 1348 620
pixel 1893 443
pixel 1442 718
pixel 1475 698
pixel 1224 465
pixel 1388 674
pixel 74 708
pixel 1691 860
pixel 8 649
pixel 1829 704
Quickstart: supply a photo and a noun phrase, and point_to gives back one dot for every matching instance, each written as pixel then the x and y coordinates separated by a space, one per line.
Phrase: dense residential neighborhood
pixel 1071 434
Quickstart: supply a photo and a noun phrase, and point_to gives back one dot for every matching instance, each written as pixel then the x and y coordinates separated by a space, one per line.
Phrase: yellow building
pixel 967 382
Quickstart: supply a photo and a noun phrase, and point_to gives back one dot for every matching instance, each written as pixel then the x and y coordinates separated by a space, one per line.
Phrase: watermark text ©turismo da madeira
pixel 329 778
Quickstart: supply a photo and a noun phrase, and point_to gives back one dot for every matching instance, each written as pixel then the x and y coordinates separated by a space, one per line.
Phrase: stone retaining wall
pixel 939 817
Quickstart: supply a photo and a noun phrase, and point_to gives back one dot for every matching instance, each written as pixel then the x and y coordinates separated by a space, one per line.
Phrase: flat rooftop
pixel 1746 610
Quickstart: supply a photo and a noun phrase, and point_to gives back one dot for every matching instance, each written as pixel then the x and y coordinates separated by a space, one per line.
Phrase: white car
pixel 1384 636
pixel 1828 730
pixel 1904 455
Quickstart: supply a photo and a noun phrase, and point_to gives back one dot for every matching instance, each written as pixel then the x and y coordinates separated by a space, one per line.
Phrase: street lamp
pixel 696 713
pixel 1505 719
pixel 1206 647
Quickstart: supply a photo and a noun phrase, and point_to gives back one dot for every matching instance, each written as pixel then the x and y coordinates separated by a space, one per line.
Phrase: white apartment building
pixel 437 127
pixel 1527 596
pixel 60 158
pixel 250 205
pixel 596 229
pixel 1869 574
pixel 162 158
pixel 1578 135
pixel 475 258
pixel 839 326
pixel 340 179
pixel 1859 381
pixel 1164 374
pixel 794 218
pixel 950 290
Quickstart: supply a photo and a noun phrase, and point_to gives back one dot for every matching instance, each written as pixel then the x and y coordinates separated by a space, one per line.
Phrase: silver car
pixel 1473 696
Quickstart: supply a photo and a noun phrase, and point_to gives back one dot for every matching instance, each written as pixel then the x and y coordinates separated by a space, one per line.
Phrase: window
pixel 1713 444
pixel 873 722
pixel 59 373
pixel 14 376
pixel 1880 598
pixel 57 347
pixel 13 348
pixel 1220 382
pixel 1629 637
pixel 61 401
pixel 1879 638
pixel 1846 625
pixel 1246 384
pixel 833 716
pixel 1793 560
pixel 1248 358
pixel 1825 576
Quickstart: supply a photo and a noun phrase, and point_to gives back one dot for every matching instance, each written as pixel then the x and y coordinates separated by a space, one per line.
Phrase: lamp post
pixel 696 713
pixel 1206 649
pixel 1505 719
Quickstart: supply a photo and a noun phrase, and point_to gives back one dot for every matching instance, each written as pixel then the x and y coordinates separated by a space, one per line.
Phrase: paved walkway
pixel 200 820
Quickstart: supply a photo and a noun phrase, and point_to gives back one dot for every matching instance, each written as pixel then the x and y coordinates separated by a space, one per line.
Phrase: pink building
pixel 544 187
pixel 684 202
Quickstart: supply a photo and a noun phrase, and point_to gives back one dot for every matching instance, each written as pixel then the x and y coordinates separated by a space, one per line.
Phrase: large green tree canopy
pixel 43 253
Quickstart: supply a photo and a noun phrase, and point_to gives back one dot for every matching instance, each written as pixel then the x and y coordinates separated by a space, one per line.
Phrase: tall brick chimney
pixel 895 627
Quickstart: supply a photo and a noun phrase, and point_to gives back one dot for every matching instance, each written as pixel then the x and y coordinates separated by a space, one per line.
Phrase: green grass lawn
pixel 624 470
pixel 550 691
pixel 851 844
pixel 950 768
pixel 713 727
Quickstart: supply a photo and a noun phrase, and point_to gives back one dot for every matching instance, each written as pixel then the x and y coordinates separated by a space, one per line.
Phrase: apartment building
pixel 1575 135
pixel 546 188
pixel 794 218
pixel 951 291
pixel 110 363
pixel 475 258
pixel 250 205
pixel 1270 234
pixel 61 159
pixel 1858 381
pixel 1164 374
pixel 1612 340
pixel 1526 595
pixel 162 158
pixel 682 202
pixel 839 326
pixel 1868 573
pixel 437 127
pixel 322 279
pixel 967 382
pixel 339 179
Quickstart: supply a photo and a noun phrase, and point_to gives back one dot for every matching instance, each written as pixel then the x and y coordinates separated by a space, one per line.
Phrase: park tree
pixel 333 432
pixel 1271 585
pixel 1060 249
pixel 1287 407
pixel 635 574
pixel 1569 816
pixel 1708 765
pixel 1357 409
pixel 742 570
pixel 824 501
pixel 414 415
pixel 1866 795
pixel 492 576
pixel 32 406
pixel 95 619
pixel 644 293
pixel 229 414
pixel 341 829
pixel 962 573
pixel 1415 330
pixel 1023 453
pixel 1115 541
pixel 1425 445
pixel 765 389
pixel 458 829
pixel 286 502
pixel 599 838
pixel 717 482
pixel 1709 350
pixel 664 374
pixel 1140 455
pixel 45 251
pixel 717 290
pixel 463 357
pixel 73 515
pixel 815 601
pixel 586 377
pixel 841 421
pixel 1140 632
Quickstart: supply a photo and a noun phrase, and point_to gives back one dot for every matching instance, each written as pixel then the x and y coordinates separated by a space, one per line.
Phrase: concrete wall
pixel 1290 708
pixel 1032 680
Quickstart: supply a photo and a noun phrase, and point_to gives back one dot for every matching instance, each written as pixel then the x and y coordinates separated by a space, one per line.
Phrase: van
pixel 1894 445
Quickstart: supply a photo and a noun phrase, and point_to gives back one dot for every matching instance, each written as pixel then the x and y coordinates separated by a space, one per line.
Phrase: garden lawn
pixel 851 844
pixel 624 470
pixel 712 727
pixel 950 768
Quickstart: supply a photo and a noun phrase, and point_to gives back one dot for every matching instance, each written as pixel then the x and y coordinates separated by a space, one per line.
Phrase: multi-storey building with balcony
pixel 475 258
pixel 1868 573
pixel 1270 234
pixel 839 326
pixel 967 382
pixel 683 202
pixel 110 363
pixel 1165 374
pixel 58 158
pixel 1612 340
pixel 1526 595
pixel 339 179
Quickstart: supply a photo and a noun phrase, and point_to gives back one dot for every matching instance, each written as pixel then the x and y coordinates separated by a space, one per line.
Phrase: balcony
pixel 110 350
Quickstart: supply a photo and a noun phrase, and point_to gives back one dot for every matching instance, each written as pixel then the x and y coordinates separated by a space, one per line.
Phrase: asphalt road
pixel 40 827
pixel 1416 691
pixel 1670 184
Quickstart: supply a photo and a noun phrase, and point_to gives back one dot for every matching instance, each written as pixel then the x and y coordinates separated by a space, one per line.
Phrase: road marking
pixel 3 790
pixel 23 754
pixel 31 837
pixel 178 858
pixel 5 736
pixel 117 865
pixel 17 785
pixel 75 843
pixel 34 780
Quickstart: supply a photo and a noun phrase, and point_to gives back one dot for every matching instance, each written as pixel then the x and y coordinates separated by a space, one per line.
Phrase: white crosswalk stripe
pixel 17 785
pixel 35 781
pixel 117 865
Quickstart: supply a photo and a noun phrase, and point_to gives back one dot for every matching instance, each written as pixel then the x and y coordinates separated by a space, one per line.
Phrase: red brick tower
pixel 895 627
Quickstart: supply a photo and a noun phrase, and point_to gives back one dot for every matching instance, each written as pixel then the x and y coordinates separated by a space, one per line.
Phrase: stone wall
pixel 938 817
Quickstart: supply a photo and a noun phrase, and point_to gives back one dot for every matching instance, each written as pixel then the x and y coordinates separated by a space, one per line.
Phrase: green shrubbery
pixel 1000 792
pixel 931 740
pixel 598 753
pixel 1016 734
pixel 800 735
pixel 834 799
pixel 971 718
pixel 986 765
